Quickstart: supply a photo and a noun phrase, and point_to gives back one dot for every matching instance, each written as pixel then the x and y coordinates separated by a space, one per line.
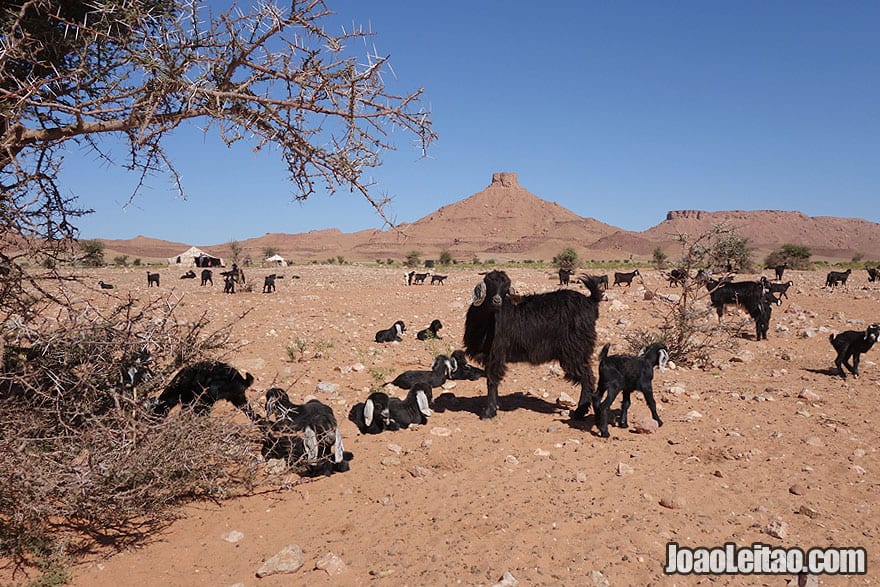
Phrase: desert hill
pixel 505 221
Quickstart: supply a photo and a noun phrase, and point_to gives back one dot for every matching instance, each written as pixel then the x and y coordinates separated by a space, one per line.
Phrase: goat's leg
pixel 838 362
pixel 491 401
pixel 855 361
pixel 648 392
pixel 624 410
pixel 604 408
pixel 588 396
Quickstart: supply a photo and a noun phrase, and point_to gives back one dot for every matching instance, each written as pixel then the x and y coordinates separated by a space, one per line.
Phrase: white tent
pixel 195 257
pixel 277 259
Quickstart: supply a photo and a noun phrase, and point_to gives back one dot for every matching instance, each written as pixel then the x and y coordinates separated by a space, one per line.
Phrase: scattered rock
pixel 390 461
pixel 809 512
pixel 507 580
pixel 439 431
pixel 809 395
pixel 597 579
pixel 420 472
pixel 565 401
pixel 776 529
pixel 692 415
pixel 331 564
pixel 624 469
pixel 288 560
pixel 395 448
pixel 540 452
pixel 797 489
pixel 814 441
pixel 744 356
pixel 232 536
pixel 511 460
pixel 646 425
pixel 326 387
pixel 673 502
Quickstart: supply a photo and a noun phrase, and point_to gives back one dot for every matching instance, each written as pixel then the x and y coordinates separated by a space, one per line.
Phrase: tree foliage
pixel 797 257
pixel 566 259
pixel 92 252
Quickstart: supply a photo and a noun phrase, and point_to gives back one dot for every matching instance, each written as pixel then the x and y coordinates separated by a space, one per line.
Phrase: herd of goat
pixel 501 327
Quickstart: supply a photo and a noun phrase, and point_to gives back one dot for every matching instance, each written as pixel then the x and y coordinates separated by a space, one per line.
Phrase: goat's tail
pixel 831 338
pixel 603 354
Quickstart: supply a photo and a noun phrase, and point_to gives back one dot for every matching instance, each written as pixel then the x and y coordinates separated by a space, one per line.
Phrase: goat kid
pixel 392 334
pixel 303 434
pixel 269 283
pixel 625 277
pixel 502 327
pixel 438 279
pixel 850 344
pixel 780 288
pixel 381 412
pixel 627 373
pixel 430 331
pixel 189 275
pixel 461 369
pixel 207 277
pixel 437 376
pixel 152 279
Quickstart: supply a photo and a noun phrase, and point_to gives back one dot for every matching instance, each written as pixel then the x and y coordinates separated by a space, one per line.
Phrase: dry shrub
pixel 80 458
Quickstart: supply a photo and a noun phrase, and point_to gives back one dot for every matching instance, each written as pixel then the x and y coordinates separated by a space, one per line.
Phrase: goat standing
pixel 501 327
pixel 851 344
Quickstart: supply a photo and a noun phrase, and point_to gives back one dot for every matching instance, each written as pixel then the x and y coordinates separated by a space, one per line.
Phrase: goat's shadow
pixel 830 371
pixel 509 403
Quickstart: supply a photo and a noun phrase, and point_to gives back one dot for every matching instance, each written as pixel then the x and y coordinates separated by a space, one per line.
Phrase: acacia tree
pixel 134 70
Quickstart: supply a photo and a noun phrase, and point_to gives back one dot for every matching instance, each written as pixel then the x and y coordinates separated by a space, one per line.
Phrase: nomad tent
pixel 197 257
pixel 277 259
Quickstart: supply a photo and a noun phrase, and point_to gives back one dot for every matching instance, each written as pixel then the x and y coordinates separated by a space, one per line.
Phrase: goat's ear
pixel 310 442
pixel 514 298
pixel 338 449
pixel 662 359
pixel 368 412
pixel 422 401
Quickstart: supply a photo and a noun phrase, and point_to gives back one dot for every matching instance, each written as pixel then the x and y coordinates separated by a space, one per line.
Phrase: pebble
pixel 672 502
pixel 288 560
pixel 797 489
pixel 776 529
pixel 439 431
pixel 326 387
pixel 809 395
pixel 646 425
pixel 624 469
pixel 331 564
pixel 507 580
pixel 540 452
pixel 232 536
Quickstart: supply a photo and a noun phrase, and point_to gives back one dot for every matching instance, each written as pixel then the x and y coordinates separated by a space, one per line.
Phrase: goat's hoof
pixel 659 421
pixel 604 434
pixel 487 414
pixel 623 424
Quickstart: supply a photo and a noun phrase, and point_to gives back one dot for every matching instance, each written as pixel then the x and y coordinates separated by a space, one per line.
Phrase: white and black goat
pixel 461 369
pixel 431 331
pixel 305 435
pixel 776 288
pixel 850 344
pixel 381 412
pixel 201 385
pixel 392 334
pixel 502 327
pixel 437 376
pixel 625 374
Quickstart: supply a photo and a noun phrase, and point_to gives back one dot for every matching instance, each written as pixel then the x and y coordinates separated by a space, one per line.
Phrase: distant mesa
pixel 507 222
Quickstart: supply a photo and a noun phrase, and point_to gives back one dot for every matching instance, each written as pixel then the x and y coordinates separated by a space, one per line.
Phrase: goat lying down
pixel 461 369
pixel 441 368
pixel 201 385
pixel 627 373
pixel 392 334
pixel 380 412
pixel 305 435
pixel 502 327
pixel 850 344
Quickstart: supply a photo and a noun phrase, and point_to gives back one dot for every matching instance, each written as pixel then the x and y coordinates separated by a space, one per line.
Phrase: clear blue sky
pixel 618 111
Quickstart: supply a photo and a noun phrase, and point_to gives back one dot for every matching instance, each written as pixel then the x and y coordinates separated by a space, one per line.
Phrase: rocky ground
pixel 765 445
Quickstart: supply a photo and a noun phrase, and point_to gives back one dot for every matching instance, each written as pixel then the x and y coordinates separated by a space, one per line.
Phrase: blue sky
pixel 619 111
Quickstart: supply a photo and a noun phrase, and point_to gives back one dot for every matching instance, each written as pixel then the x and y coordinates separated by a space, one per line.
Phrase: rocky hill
pixel 505 221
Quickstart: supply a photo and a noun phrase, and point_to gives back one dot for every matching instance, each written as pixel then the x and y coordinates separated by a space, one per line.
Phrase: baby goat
pixel 625 277
pixel 320 443
pixel 371 416
pixel 105 285
pixel 626 373
pixel 189 275
pixel 201 385
pixel 438 279
pixel 269 283
pixel 440 370
pixel 380 412
pixel 851 344
pixel 152 279
pixel 430 331
pixel 392 334
pixel 780 288
pixel 461 369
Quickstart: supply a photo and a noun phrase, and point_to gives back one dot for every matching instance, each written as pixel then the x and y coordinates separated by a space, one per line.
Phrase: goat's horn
pixel 479 293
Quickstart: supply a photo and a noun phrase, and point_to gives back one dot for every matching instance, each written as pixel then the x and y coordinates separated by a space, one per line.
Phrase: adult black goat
pixel 851 344
pixel 761 313
pixel 835 278
pixel 152 279
pixel 677 277
pixel 627 373
pixel 207 277
pixel 501 327
pixel 303 434
pixel 565 276
pixel 201 385
pixel 626 278
pixel 779 270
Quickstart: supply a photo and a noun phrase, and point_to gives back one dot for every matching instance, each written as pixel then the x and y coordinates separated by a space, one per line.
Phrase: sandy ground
pixel 462 501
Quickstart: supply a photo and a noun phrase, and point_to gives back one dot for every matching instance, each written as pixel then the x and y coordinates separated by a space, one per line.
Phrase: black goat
pixel 303 434
pixel 779 270
pixel 627 373
pixel 501 327
pixel 873 273
pixel 419 278
pixel 780 288
pixel 391 334
pixel 438 279
pixel 677 277
pixel 601 281
pixel 229 284
pixel 851 344
pixel 565 276
pixel 761 313
pixel 745 294
pixel 201 385
pixel 189 275
pixel 105 285
pixel 269 283
pixel 437 376
pixel 461 369
pixel 152 279
pixel 371 416
pixel 836 278
pixel 430 331
pixel 207 277
pixel 625 277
